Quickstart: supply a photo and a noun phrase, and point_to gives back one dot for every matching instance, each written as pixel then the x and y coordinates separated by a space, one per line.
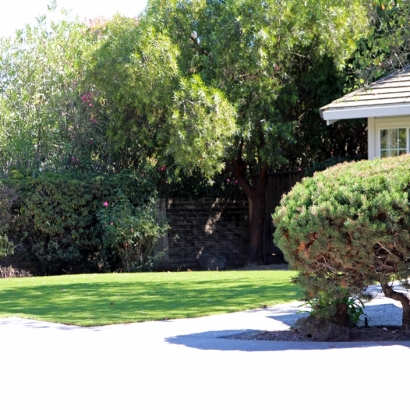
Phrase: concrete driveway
pixel 183 364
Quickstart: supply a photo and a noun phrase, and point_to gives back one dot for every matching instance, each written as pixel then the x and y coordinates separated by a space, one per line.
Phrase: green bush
pixel 129 232
pixel 348 227
pixel 7 198
pixel 327 163
pixel 59 223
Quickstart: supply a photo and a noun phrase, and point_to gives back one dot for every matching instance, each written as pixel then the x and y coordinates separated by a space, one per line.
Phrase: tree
pixel 50 117
pixel 348 227
pixel 54 119
pixel 386 46
pixel 199 85
pixel 316 82
pixel 155 113
pixel 248 51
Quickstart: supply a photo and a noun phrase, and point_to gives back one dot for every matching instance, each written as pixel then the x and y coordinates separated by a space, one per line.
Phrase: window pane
pixel 402 138
pixel 393 142
pixel 393 139
pixel 383 139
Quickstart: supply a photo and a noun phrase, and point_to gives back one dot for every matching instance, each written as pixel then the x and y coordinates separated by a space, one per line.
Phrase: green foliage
pixel 317 81
pixel 134 68
pixel 6 247
pixel 60 223
pixel 386 46
pixel 250 52
pixel 327 163
pixel 54 220
pixel 130 232
pixel 196 85
pixel 53 118
pixel 196 185
pixel 355 308
pixel 328 301
pixel 245 48
pixel 198 143
pixel 7 198
pixel 348 226
pixel 154 111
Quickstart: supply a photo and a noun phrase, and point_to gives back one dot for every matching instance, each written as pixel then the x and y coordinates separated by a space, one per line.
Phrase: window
pixel 393 142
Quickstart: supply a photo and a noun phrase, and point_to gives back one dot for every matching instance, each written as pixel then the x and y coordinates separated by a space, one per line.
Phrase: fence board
pixel 279 184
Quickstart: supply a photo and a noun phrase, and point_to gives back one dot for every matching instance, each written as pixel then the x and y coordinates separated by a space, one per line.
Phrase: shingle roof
pixel 389 96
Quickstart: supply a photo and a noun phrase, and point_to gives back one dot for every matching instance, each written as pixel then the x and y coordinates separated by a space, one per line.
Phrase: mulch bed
pixel 359 334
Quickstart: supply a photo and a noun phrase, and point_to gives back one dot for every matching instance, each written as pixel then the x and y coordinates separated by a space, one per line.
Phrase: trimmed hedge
pixel 67 221
pixel 348 226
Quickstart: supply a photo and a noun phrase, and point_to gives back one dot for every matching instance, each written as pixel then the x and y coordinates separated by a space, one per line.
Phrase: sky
pixel 15 14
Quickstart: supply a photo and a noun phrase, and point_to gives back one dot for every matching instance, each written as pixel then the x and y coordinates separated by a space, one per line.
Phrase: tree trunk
pixel 256 194
pixel 405 303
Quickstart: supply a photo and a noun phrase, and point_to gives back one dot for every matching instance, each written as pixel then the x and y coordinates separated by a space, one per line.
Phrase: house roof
pixel 387 97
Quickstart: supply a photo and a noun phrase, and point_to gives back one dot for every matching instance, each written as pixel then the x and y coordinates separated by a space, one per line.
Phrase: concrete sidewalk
pixel 184 364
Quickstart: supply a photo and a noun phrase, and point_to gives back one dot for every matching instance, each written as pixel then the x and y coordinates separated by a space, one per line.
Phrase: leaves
pixel 60 219
pixel 386 46
pixel 250 52
pixel 348 226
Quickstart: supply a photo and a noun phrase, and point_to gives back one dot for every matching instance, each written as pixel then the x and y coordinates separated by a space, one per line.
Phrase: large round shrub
pixel 348 226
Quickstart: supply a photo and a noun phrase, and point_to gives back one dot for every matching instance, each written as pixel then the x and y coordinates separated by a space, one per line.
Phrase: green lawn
pixel 100 299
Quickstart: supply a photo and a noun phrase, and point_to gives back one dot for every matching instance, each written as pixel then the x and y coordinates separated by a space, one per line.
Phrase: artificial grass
pixel 101 299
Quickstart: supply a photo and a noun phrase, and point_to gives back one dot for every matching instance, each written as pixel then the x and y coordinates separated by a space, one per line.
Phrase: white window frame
pixel 389 123
pixel 403 149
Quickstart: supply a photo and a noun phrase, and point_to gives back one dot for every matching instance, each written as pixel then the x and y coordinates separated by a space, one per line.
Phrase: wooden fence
pixel 219 227
pixel 279 183
pixel 212 227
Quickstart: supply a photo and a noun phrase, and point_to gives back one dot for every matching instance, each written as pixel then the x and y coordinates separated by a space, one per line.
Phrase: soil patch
pixel 358 334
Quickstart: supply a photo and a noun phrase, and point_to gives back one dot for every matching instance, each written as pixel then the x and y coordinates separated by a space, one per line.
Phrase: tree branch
pixel 194 39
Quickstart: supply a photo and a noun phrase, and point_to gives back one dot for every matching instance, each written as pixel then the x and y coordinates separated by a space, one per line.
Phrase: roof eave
pixel 331 115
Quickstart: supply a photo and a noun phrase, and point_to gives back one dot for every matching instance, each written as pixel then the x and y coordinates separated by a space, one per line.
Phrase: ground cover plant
pixel 102 299
pixel 348 227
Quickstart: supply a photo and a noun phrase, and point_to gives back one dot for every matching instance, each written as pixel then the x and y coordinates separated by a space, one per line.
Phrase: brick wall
pixel 217 227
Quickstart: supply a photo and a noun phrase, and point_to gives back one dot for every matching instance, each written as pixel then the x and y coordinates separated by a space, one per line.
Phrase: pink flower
pixel 105 203
pixel 111 223
pixel 228 180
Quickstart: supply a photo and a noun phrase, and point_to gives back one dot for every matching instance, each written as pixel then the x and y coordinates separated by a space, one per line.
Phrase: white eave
pixel 334 114
pixel 387 97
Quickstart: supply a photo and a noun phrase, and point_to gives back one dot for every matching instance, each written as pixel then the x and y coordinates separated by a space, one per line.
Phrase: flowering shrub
pixel 86 221
pixel 129 231
pixel 88 99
